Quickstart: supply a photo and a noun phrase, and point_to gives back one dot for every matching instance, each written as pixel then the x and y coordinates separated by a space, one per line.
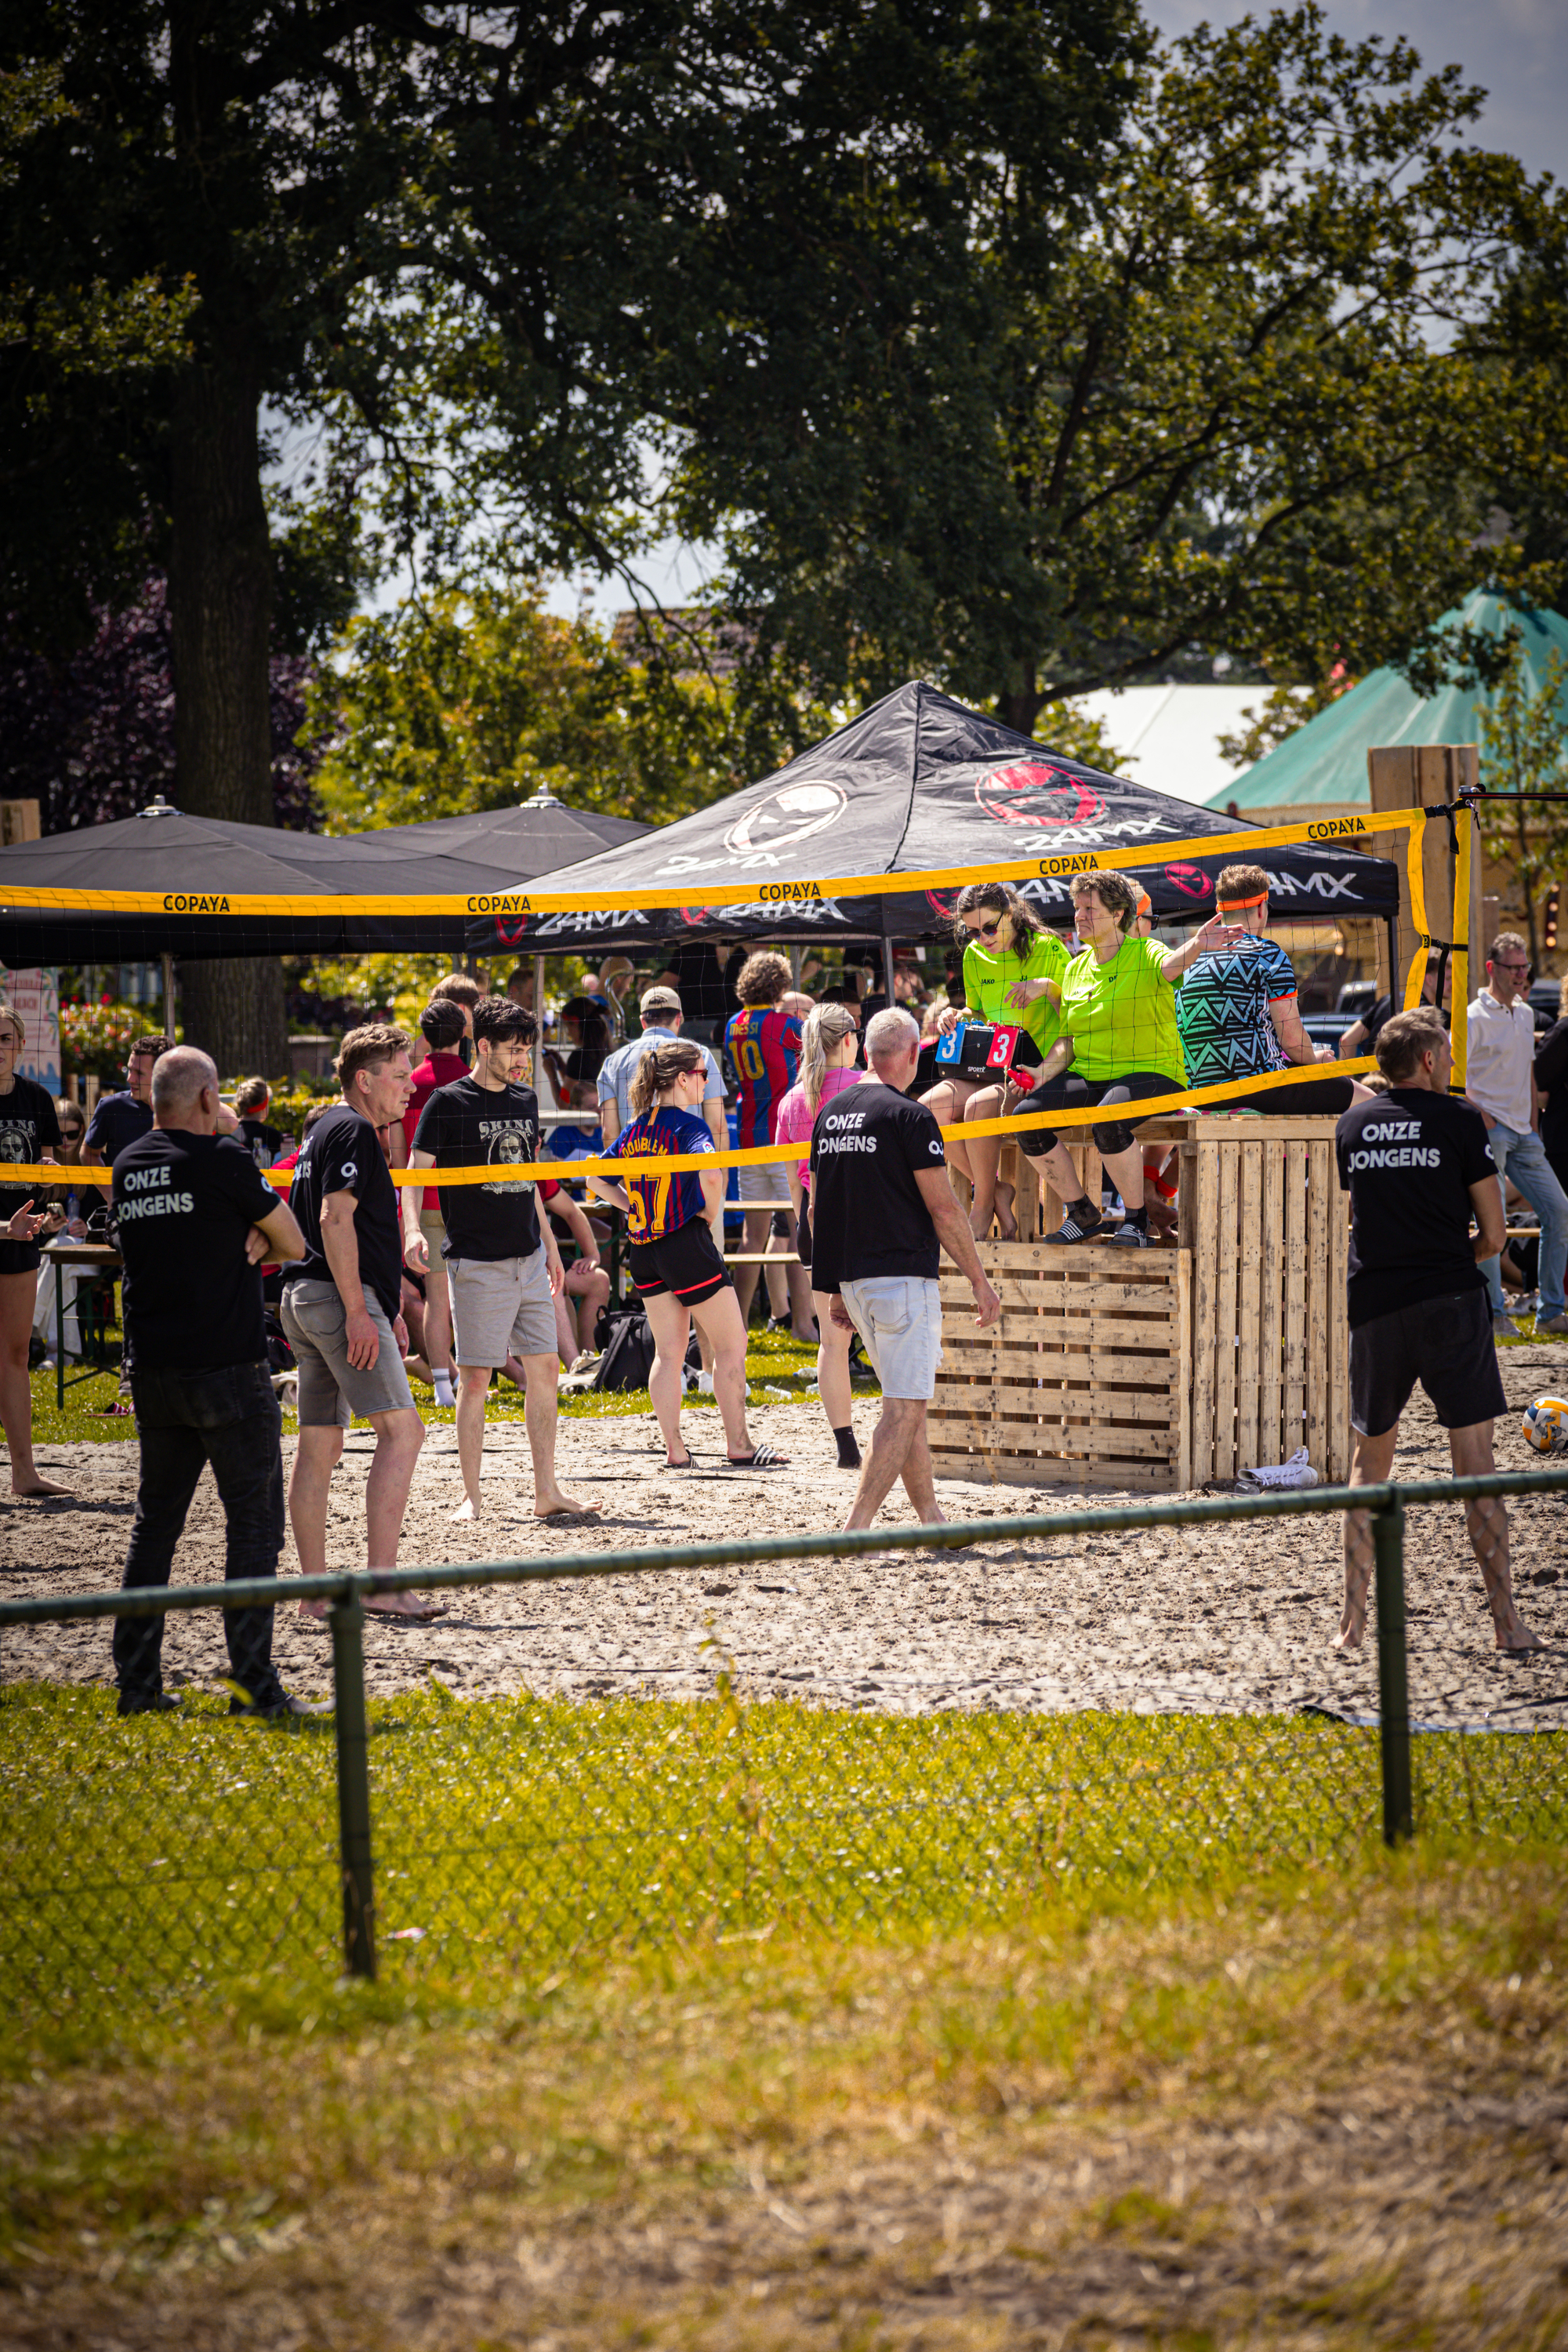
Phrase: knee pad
pixel 1113 1137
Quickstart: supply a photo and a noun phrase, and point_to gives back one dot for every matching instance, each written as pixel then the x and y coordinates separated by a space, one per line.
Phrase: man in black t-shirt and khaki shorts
pixel 1418 1169
pixel 340 1311
pixel 882 1209
pixel 503 1268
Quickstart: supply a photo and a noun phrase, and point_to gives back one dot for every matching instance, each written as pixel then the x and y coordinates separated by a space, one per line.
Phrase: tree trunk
pixel 221 614
pixel 1020 707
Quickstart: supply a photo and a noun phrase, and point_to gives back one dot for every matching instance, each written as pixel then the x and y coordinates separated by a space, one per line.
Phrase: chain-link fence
pixel 431 1838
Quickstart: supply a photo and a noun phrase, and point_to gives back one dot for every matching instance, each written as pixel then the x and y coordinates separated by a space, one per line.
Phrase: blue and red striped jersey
pixel 662 1204
pixel 764 1049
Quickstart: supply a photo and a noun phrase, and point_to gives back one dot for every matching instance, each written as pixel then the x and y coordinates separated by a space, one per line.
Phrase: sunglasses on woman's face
pixel 72 1134
pixel 988 930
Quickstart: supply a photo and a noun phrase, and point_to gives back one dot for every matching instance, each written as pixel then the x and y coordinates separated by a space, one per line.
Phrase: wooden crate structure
pixel 1269 1231
pixel 1085 1379
pixel 1162 1368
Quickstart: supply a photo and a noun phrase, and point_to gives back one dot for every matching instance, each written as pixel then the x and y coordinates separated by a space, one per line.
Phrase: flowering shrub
pixel 96 1038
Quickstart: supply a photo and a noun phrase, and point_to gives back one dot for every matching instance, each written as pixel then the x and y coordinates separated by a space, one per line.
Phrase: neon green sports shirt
pixel 988 978
pixel 1121 1016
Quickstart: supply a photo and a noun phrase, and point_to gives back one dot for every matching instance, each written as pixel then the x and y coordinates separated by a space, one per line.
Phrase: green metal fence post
pixel 353 1788
pixel 1393 1680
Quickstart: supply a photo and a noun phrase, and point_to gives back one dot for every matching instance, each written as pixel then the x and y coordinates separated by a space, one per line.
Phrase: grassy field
pixel 1326 2109
pixel 776 1366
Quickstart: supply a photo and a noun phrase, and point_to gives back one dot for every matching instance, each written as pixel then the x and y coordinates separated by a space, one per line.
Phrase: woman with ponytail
pixel 676 1264
pixel 1002 946
pixel 827 1049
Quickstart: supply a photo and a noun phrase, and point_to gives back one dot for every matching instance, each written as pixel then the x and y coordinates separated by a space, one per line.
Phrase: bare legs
pixel 758 1229
pixel 19 1295
pixel 438 1350
pixel 984 1155
pixel 670 1319
pixel 1485 1519
pixel 947 1102
pixel 399 1435
pixel 539 1376
pixel 899 1449
pixel 833 1364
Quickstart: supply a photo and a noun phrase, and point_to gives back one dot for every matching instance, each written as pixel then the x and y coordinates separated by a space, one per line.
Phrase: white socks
pixel 443 1380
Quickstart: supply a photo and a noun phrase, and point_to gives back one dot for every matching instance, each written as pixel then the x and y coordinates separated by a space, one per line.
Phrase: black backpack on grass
pixel 628 1359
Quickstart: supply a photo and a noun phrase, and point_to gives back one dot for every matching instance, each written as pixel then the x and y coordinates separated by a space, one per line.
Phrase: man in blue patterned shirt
pixel 1237 1011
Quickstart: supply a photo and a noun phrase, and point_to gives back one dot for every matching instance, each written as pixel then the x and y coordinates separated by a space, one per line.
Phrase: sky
pixel 1517 50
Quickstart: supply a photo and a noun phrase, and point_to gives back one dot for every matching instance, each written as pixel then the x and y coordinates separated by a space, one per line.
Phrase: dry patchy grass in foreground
pixel 1331 2115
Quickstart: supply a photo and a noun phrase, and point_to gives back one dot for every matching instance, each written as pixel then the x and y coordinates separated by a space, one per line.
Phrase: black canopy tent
pixel 917 783
pixel 187 858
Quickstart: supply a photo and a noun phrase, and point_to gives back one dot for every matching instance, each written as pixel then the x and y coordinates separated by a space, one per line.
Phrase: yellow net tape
pixel 568 1171
pixel 731 891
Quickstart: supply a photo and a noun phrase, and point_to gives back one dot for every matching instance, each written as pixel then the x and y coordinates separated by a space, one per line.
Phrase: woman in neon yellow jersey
pixel 1003 945
pixel 1120 1040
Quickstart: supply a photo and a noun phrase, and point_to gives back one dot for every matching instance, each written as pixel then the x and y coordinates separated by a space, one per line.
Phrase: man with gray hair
pixel 882 1209
pixel 195 1219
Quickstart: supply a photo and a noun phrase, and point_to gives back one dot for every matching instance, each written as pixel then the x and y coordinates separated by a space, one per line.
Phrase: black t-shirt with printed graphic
pixel 1407 1159
pixel 465 1125
pixel 263 1143
pixel 867 1218
pixel 184 1207
pixel 28 1123
pixel 342 1153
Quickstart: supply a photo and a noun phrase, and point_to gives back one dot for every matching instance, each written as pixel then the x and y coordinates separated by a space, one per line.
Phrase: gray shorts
pixel 899 1317
pixel 501 1307
pixel 331 1390
pixel 763 1187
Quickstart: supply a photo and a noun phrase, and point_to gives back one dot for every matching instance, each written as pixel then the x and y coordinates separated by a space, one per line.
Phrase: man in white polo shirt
pixel 1500 1079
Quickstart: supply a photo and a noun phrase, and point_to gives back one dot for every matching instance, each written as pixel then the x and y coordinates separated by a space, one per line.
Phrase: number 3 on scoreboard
pixel 749 1055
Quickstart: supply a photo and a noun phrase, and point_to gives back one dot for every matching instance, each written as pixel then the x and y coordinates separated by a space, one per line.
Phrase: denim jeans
pixel 229 1418
pixel 1522 1159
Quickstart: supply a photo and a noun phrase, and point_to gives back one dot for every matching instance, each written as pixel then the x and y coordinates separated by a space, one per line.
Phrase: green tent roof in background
pixel 1326 760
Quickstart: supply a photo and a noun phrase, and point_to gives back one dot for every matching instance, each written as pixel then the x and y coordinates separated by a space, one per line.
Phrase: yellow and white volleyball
pixel 1545 1424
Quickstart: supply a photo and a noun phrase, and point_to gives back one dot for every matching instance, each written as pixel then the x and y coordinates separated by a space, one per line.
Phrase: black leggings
pixel 1070 1094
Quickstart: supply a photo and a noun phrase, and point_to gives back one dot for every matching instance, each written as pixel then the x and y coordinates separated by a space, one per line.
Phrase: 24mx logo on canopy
pixel 1028 793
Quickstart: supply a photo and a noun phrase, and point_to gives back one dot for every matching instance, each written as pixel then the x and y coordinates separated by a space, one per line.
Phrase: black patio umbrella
pixel 193 862
pixel 917 784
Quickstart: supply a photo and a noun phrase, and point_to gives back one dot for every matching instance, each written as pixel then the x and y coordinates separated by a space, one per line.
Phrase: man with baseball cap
pixel 1238 1013
pixel 661 1017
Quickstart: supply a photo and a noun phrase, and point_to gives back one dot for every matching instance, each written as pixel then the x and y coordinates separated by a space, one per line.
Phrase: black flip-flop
pixel 689 1463
pixel 764 1458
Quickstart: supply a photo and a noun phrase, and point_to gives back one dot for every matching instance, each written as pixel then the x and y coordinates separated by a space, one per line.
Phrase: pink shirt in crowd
pixel 796 1119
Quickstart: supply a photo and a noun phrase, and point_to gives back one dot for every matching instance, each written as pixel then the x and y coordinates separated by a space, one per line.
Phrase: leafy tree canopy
pixel 1257 395
pixel 475 697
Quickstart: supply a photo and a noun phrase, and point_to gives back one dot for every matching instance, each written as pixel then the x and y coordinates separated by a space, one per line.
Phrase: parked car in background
pixel 1543 1001
pixel 1355 1000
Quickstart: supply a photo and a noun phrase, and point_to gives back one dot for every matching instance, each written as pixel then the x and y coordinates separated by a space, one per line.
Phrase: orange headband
pixel 1236 905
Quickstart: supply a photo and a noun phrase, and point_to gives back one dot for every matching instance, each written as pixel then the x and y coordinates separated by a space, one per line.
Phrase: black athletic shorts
pixel 686 1261
pixel 1327 1096
pixel 1074 1094
pixel 19 1257
pixel 1446 1344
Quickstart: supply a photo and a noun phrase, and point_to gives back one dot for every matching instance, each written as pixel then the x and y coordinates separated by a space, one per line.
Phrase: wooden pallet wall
pixel 1085 1379
pixel 1267 1227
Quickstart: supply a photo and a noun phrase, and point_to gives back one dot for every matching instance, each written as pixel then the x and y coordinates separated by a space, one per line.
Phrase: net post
pixel 1393 1678
pixel 347 1619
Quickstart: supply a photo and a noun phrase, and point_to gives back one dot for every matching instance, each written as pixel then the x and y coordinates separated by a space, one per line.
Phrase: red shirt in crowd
pixel 435 1070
